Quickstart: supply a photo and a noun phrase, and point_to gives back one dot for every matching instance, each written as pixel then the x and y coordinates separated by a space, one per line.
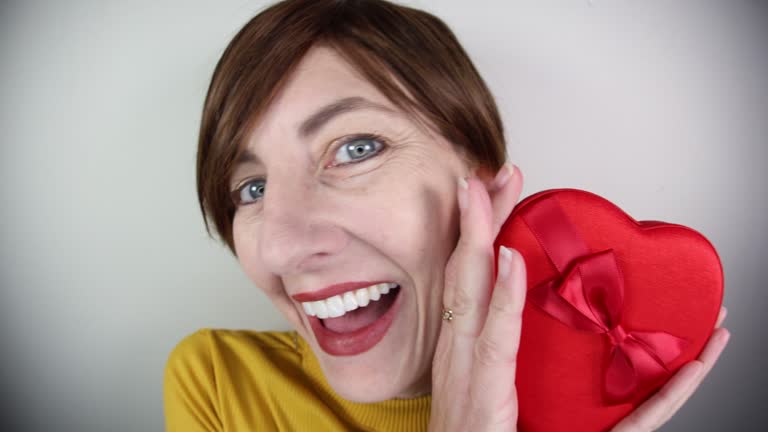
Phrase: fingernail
pixel 463 190
pixel 721 318
pixel 726 337
pixel 505 262
pixel 505 173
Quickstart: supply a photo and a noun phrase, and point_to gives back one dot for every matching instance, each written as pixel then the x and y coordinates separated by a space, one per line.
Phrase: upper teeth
pixel 338 305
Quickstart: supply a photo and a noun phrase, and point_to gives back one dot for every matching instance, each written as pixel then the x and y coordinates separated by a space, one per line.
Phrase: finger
pixel 721 316
pixel 649 415
pixel 467 293
pixel 714 348
pixel 505 193
pixel 661 407
pixel 495 353
pixel 708 357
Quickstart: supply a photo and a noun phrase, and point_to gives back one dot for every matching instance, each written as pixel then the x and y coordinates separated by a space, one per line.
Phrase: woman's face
pixel 359 195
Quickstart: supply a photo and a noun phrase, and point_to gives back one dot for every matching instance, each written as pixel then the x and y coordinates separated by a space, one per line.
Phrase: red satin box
pixel 614 308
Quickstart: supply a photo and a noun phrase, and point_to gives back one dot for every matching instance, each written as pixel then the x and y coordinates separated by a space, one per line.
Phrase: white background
pixel 660 106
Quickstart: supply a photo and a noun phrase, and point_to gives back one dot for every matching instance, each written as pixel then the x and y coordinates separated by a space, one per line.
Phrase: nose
pixel 298 232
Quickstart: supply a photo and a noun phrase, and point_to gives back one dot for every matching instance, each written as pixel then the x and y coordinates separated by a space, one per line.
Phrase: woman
pixel 383 155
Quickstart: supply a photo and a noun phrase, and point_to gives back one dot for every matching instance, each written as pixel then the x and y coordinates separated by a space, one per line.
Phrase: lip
pixel 356 342
pixel 333 290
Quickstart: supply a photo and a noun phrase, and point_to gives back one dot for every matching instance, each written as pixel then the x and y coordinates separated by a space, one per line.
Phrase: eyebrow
pixel 312 124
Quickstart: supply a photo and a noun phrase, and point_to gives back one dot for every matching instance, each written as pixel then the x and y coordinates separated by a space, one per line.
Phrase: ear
pixel 485 175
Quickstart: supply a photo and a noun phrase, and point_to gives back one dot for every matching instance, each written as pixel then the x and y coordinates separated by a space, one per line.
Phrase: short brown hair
pixel 378 38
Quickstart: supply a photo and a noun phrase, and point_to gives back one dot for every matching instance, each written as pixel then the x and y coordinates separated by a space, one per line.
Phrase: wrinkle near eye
pixel 413 154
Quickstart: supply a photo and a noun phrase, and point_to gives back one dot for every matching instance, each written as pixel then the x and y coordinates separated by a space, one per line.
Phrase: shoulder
pixel 207 339
pixel 211 369
pixel 207 348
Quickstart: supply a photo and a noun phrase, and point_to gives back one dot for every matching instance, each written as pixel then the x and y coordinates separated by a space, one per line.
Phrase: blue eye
pixel 358 148
pixel 355 149
pixel 250 191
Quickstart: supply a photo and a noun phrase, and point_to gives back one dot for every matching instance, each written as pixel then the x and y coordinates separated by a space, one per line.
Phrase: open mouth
pixel 349 328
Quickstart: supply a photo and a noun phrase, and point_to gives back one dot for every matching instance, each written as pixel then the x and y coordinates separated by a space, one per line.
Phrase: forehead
pixel 322 76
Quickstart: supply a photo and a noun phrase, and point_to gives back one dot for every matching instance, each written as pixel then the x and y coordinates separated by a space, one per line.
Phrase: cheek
pixel 246 247
pixel 419 231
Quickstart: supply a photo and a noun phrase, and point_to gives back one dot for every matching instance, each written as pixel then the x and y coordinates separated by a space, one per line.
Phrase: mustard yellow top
pixel 240 380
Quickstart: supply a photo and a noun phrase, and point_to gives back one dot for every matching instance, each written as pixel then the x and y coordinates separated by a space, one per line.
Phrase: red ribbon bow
pixel 588 295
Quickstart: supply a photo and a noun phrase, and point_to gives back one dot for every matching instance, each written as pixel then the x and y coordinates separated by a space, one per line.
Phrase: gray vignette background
pixel 660 106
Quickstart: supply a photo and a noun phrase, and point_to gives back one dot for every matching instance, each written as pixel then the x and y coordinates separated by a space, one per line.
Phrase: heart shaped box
pixel 614 307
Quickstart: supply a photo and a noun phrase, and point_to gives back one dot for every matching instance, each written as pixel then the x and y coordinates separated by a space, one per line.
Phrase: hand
pixel 473 369
pixel 475 359
pixel 657 410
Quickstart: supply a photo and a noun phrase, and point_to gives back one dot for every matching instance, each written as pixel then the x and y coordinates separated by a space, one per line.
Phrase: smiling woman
pixel 332 138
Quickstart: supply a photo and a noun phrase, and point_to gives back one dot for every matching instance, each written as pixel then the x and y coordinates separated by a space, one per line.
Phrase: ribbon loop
pixel 588 295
